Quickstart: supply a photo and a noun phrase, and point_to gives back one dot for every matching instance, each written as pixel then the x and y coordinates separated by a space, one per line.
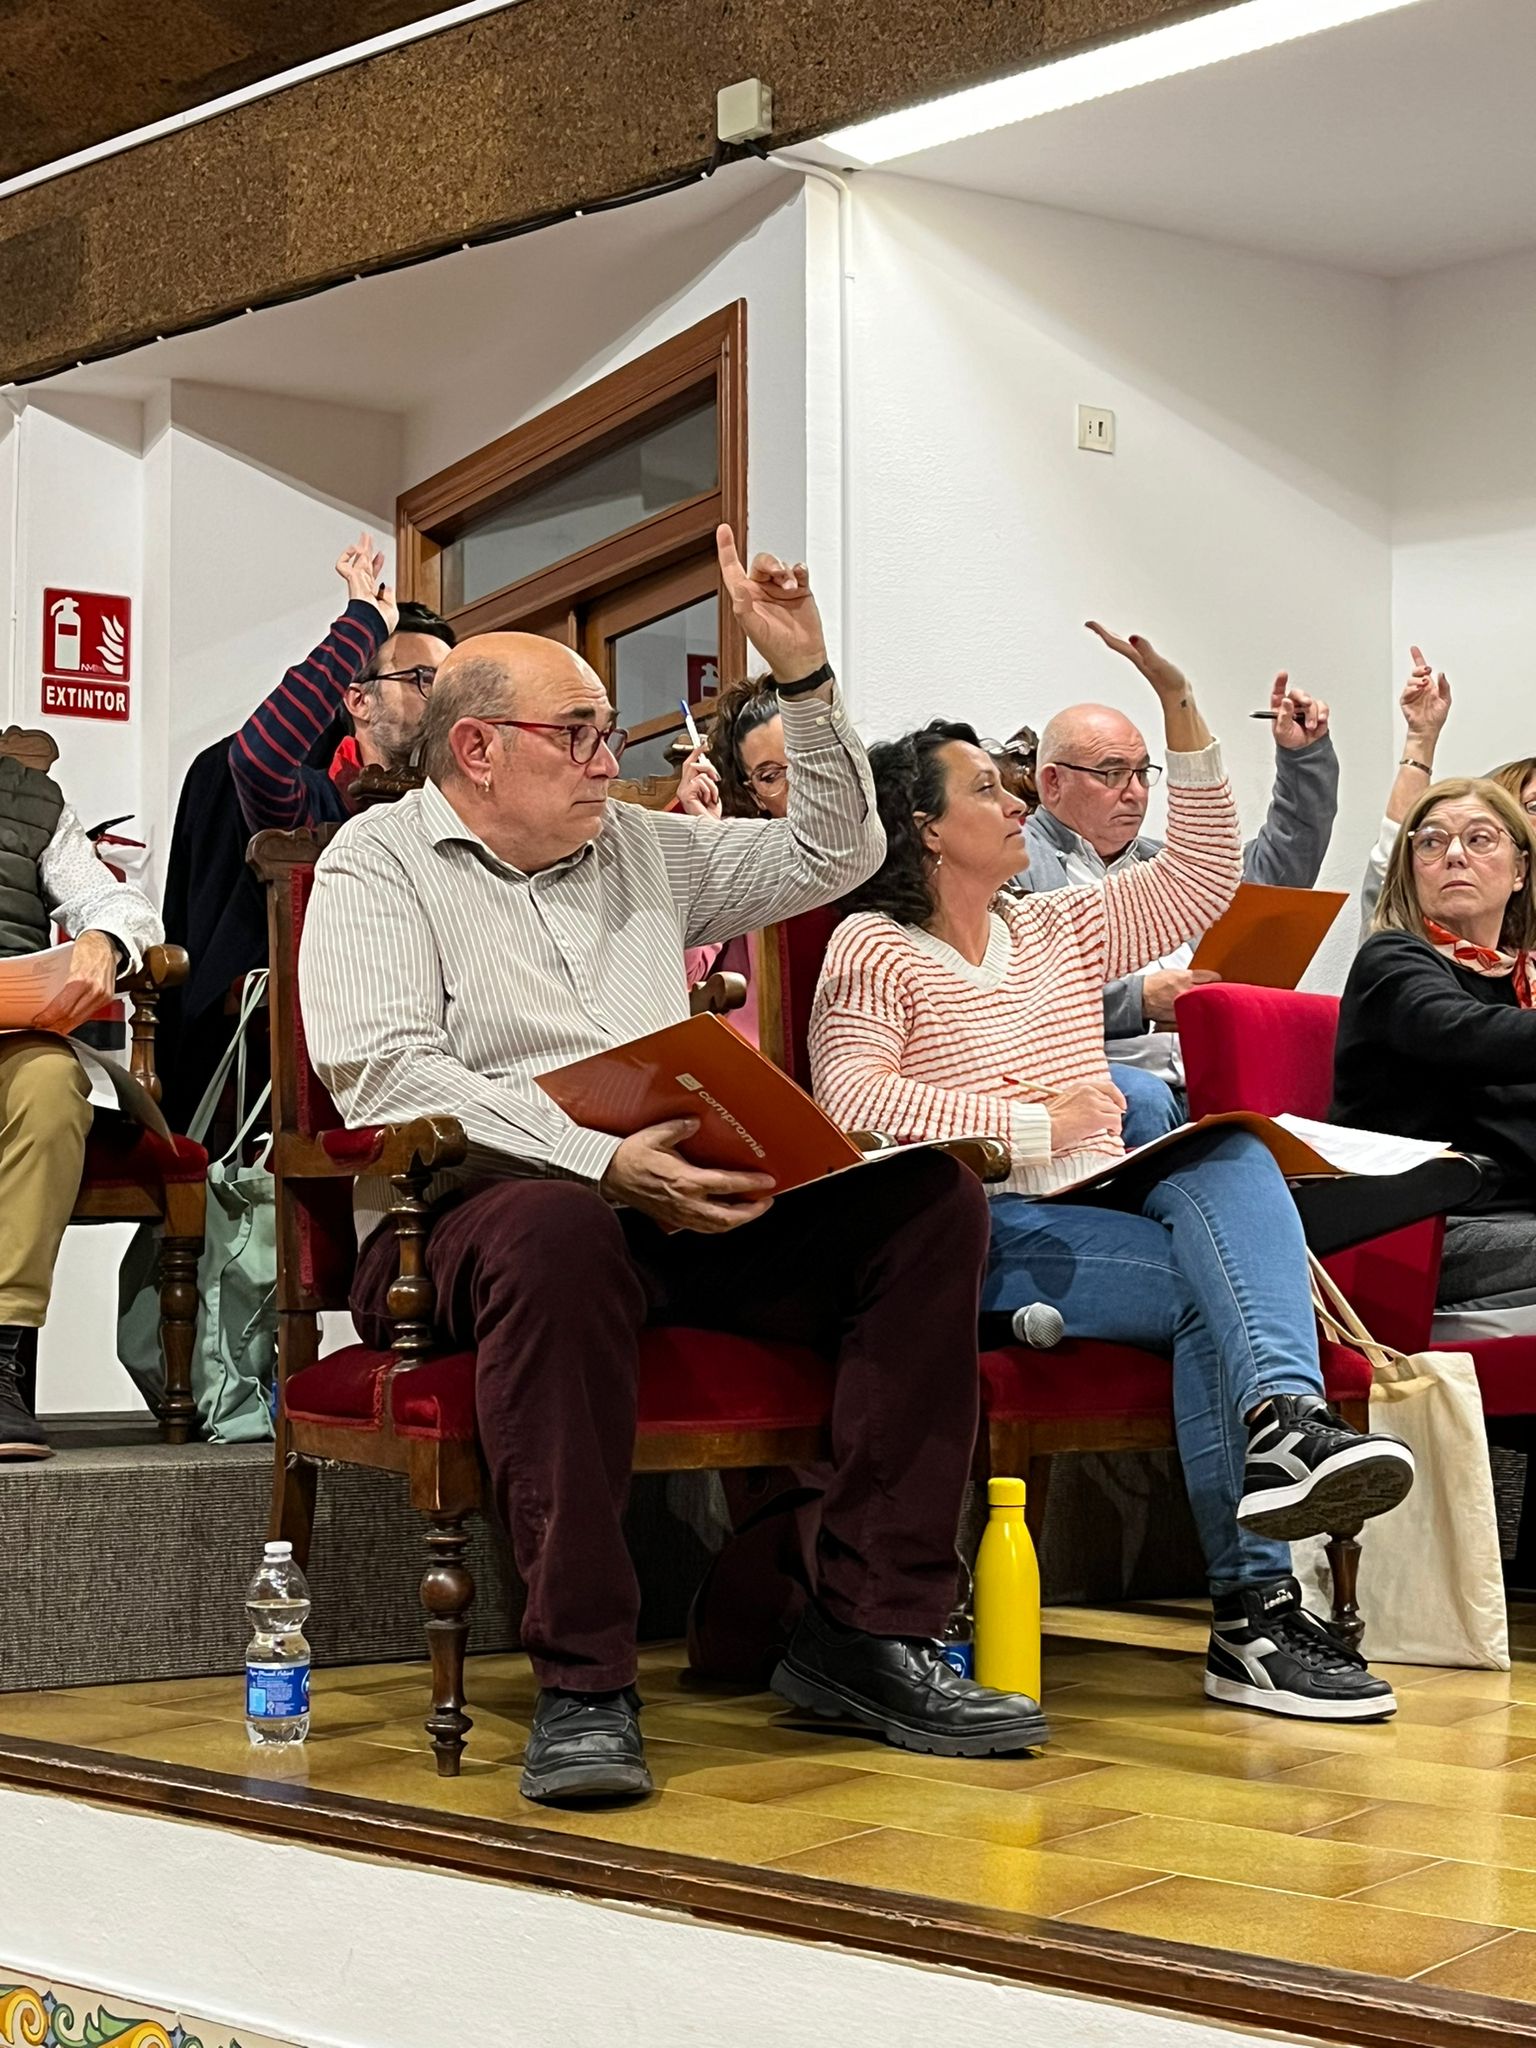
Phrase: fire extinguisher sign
pixel 87 654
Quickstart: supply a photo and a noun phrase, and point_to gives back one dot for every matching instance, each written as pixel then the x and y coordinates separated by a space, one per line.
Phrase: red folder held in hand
pixel 752 1117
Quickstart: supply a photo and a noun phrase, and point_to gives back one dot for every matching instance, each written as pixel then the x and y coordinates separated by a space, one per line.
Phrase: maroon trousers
pixel 880 1270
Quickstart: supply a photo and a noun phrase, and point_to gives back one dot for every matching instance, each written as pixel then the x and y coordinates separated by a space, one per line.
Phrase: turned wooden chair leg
pixel 1343 1554
pixel 179 1258
pixel 292 1519
pixel 447 1594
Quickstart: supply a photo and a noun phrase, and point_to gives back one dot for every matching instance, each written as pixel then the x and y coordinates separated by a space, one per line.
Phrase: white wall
pixel 1242 524
pixel 1464 498
pixel 338 1952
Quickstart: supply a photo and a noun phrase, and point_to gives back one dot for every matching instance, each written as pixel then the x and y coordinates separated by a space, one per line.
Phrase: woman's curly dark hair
pixel 740 708
pixel 909 781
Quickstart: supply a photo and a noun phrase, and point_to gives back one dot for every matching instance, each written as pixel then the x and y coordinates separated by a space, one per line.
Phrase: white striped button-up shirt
pixel 436 979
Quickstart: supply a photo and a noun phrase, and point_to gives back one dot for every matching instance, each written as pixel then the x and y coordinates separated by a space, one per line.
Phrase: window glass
pixel 657 664
pixel 661 467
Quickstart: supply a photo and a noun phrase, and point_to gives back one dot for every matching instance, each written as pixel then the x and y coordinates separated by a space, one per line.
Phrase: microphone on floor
pixel 1039 1326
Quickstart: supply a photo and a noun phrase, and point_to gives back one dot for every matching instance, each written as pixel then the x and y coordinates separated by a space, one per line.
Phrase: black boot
pixel 20 1434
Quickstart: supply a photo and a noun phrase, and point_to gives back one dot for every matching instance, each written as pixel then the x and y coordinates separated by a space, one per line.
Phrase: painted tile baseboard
pixel 37 2013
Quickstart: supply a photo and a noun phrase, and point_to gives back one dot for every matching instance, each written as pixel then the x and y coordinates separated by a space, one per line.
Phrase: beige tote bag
pixel 1431 1584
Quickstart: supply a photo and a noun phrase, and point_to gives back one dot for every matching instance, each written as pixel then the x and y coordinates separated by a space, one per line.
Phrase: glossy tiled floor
pixel 1406 1850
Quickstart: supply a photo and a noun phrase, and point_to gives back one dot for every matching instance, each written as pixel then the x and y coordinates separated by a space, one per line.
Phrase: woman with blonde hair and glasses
pixel 1426 706
pixel 1437 1031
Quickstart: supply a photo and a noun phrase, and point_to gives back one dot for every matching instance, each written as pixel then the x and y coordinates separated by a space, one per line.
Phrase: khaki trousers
pixel 45 1112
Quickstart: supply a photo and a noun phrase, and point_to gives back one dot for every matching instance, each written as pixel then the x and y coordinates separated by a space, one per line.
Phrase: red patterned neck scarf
pixel 1490 960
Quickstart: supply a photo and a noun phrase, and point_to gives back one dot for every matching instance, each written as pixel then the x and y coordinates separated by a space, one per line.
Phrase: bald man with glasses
pixel 509 918
pixel 1095 777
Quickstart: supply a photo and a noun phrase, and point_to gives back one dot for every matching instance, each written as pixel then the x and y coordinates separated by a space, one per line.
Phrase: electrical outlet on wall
pixel 1096 429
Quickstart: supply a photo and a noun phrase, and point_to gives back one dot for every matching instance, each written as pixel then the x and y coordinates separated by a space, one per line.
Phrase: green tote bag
pixel 234 1355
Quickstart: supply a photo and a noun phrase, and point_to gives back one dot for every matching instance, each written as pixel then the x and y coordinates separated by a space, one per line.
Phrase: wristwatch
pixel 805 684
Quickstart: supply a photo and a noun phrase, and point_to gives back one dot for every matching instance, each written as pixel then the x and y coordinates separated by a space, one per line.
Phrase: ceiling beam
pixel 506 122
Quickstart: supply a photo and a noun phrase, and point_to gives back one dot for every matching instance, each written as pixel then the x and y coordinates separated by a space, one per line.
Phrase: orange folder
pixel 752 1117
pixel 1267 937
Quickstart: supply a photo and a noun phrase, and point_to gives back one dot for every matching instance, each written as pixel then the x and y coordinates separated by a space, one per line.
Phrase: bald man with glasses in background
pixel 1095 777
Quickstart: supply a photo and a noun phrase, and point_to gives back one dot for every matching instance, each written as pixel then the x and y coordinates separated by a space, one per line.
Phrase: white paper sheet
pixel 1362 1151
pixel 29 983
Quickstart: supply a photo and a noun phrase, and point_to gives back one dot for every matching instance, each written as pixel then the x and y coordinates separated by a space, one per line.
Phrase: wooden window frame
pixel 708 359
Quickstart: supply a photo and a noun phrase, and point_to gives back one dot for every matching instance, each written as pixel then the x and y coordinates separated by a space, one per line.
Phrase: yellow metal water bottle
pixel 1007 1595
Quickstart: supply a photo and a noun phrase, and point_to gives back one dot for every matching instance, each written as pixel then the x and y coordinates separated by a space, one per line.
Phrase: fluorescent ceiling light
pixel 1236 31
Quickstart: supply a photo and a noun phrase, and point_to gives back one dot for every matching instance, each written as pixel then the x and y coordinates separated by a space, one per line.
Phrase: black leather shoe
pixel 901 1687
pixel 21 1434
pixel 585 1746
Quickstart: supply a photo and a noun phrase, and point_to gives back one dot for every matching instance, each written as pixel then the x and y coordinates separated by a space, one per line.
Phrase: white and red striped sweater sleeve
pixel 1150 907
pixel 864 1072
pixel 879 1063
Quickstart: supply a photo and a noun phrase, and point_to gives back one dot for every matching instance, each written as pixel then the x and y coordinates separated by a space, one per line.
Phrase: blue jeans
pixel 1152 1109
pixel 1212 1271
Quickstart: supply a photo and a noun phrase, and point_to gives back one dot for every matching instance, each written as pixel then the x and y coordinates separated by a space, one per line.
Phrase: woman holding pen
pixel 949 1007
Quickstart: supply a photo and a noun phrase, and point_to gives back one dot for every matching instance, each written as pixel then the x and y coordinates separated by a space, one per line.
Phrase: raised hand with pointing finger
pixel 1426 700
pixel 1300 720
pixel 775 609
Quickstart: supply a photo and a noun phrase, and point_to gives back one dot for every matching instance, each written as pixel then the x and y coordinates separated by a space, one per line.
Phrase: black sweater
pixel 1429 1050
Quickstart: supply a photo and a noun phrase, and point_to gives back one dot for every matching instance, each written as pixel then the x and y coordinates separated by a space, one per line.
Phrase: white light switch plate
pixel 1096 429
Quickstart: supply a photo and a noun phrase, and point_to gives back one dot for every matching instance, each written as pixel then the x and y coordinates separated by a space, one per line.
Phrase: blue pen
pixel 693 730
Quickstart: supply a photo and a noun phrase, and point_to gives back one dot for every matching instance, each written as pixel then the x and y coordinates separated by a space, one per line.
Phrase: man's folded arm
pixel 732 876
pixel 372 994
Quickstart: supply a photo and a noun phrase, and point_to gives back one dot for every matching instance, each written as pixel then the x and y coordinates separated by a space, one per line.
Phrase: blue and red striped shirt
pixel 269 757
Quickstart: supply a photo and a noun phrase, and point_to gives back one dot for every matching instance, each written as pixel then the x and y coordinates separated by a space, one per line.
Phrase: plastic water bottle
pixel 277 1661
pixel 1007 1595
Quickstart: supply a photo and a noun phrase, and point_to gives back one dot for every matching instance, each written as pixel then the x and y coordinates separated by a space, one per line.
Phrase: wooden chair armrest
pixel 422 1147
pixel 717 994
pixel 988 1158
pixel 162 967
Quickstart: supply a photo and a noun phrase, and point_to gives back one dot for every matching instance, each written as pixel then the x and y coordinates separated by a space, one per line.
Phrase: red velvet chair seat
pixel 1506 1373
pixel 690 1380
pixel 123 1154
pixel 1091 1380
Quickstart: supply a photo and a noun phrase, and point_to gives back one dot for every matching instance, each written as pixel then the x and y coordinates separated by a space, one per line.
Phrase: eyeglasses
pixel 1431 843
pixel 773 777
pixel 585 739
pixel 1116 778
pixel 420 679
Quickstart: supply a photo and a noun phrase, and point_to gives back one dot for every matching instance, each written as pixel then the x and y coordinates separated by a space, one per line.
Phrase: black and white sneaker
pixel 1309 1474
pixel 1266 1651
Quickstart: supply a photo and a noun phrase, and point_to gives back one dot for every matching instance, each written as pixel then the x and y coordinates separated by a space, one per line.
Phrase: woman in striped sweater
pixel 946 1007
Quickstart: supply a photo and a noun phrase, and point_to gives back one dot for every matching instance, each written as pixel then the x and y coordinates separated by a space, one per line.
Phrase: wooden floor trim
pixel 1204 1984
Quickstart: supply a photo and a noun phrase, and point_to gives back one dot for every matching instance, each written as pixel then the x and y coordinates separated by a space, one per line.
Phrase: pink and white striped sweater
pixel 909 1038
